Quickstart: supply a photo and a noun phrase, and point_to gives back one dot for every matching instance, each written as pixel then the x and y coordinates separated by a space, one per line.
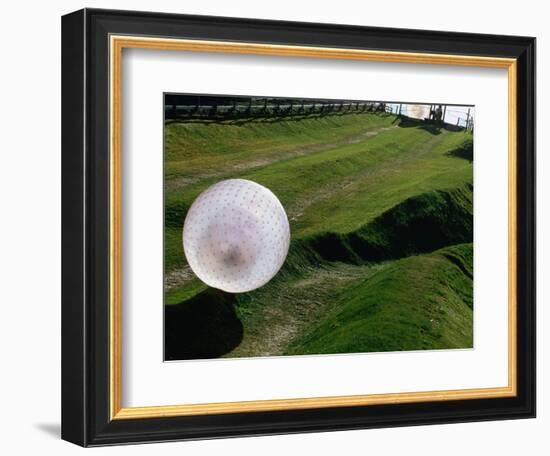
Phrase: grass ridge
pixel 420 224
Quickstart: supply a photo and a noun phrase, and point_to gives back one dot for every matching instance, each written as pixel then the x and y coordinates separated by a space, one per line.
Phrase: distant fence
pixel 267 107
pixel 224 108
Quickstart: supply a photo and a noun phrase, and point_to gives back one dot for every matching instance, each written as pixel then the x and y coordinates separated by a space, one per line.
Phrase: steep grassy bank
pixel 419 224
pixel 420 302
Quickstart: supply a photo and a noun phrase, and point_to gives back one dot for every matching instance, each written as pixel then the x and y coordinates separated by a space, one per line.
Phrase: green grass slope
pixel 420 302
pixel 196 148
pixel 419 224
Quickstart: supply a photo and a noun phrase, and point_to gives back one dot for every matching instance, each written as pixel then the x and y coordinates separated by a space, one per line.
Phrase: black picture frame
pixel 85 223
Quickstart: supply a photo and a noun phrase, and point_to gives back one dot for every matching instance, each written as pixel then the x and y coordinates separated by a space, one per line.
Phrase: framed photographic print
pixel 278 227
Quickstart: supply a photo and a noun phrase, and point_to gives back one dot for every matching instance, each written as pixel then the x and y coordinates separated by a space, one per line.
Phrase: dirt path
pixel 177 277
pixel 293 309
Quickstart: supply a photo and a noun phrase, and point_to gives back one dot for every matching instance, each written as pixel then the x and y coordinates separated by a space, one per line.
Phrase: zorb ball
pixel 236 235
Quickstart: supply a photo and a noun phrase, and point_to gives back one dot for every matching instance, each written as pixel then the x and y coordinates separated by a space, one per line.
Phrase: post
pixel 468 118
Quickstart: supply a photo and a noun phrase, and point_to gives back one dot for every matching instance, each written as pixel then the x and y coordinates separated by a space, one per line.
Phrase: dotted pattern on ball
pixel 236 235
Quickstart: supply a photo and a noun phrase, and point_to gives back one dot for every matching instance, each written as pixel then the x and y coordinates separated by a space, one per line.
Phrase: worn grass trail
pixel 294 305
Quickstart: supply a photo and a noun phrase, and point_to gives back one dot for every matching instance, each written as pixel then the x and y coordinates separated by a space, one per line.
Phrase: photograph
pixel 316 226
pixel 287 223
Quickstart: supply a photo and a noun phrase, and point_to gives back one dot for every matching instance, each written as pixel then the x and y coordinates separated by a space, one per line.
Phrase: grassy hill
pixel 419 302
pixel 368 197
